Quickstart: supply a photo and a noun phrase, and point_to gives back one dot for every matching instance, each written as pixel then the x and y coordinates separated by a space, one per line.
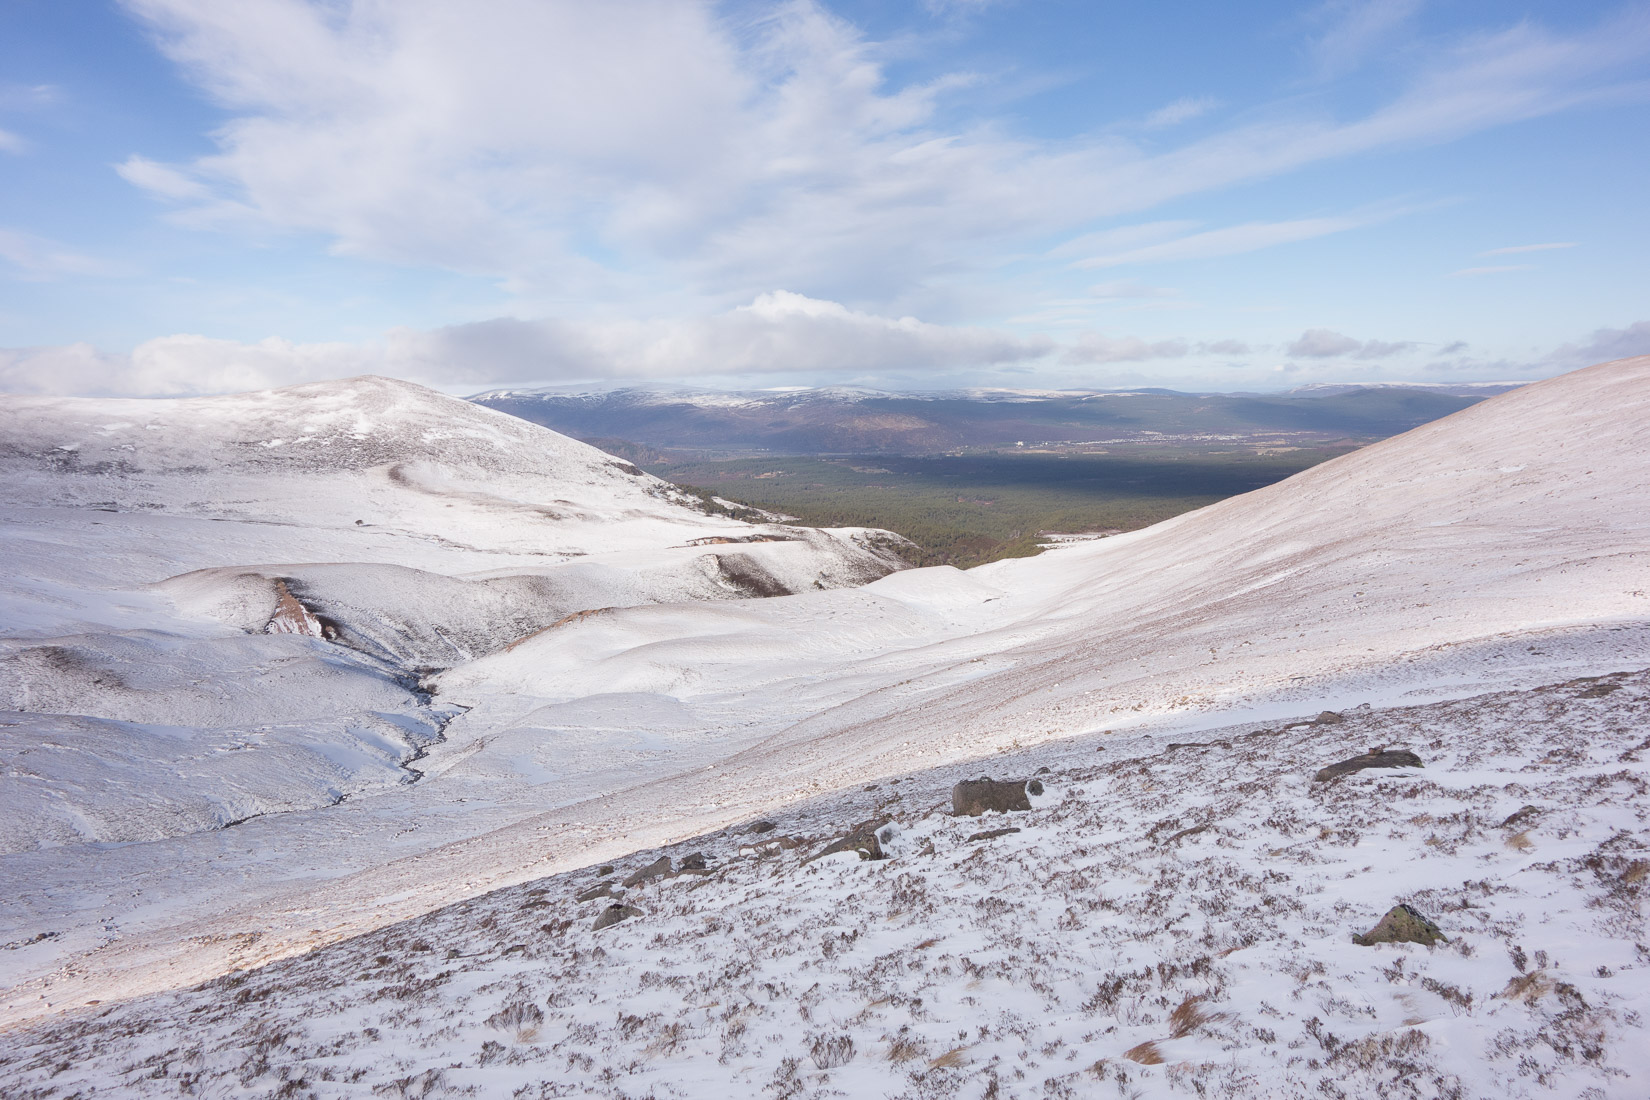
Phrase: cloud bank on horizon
pixel 519 191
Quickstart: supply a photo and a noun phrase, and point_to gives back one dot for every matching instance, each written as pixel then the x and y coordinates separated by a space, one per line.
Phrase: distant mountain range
pixel 842 420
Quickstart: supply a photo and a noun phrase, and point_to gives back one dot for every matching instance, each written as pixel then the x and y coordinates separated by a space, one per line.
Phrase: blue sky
pixel 207 195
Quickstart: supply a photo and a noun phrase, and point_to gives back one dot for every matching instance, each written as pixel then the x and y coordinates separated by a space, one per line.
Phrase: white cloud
pixel 162 180
pixel 1092 347
pixel 38 259
pixel 27 98
pixel 1129 288
pixel 1323 343
pixel 1230 241
pixel 1528 248
pixel 778 332
pixel 1469 272
pixel 947 7
pixel 1181 110
pixel 592 150
pixel 1604 345
pixel 1354 30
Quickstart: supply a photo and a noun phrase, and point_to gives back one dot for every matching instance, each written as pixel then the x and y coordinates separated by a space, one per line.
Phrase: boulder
pixel 1401 925
pixel 1374 758
pixel 694 862
pixel 612 915
pixel 992 834
pixel 658 867
pixel 862 838
pixel 973 797
pixel 600 890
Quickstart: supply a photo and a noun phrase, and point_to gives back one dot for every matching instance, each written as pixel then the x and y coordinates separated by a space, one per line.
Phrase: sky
pixel 205 196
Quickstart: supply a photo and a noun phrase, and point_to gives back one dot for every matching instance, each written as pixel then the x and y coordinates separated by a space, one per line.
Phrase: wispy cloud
pixel 38 259
pixel 1092 347
pixel 1129 288
pixel 25 98
pixel 1352 30
pixel 28 97
pixel 778 331
pixel 162 181
pixel 1181 110
pixel 1231 240
pixel 1323 343
pixel 1513 249
pixel 1095 347
pixel 1494 269
pixel 591 149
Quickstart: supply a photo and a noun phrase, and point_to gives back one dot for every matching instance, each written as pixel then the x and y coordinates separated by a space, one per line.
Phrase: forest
pixel 965 510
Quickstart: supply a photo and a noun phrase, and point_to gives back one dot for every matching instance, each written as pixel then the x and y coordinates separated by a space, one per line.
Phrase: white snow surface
pixel 1166 920
pixel 1503 548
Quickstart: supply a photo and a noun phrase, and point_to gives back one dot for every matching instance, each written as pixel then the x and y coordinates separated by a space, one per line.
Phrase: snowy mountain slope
pixel 1165 920
pixel 1500 547
pixel 364 470
pixel 1528 513
pixel 216 610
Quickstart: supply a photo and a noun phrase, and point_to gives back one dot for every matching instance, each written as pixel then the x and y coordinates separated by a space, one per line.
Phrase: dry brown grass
pixel 1528 988
pixel 951 1059
pixel 1520 842
pixel 1146 1054
pixel 1187 1017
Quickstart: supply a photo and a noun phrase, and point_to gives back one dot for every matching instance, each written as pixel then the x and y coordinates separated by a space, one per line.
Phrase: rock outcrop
pixel 973 797
pixel 1374 758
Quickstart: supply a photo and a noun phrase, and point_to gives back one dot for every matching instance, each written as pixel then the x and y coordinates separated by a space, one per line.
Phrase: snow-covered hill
pixel 1504 548
pixel 216 610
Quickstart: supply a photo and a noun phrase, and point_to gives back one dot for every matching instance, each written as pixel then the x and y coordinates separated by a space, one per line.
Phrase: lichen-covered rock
pixel 600 890
pixel 1401 925
pixel 992 834
pixel 973 797
pixel 658 867
pixel 862 838
pixel 1375 758
pixel 612 915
